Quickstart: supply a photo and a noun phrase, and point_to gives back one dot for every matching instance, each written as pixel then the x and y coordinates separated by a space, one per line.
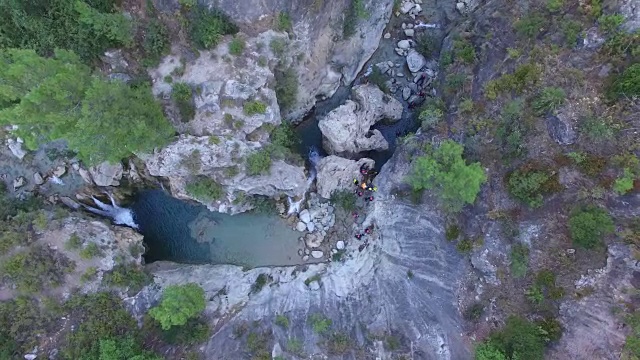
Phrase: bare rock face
pixel 318 51
pixel 216 142
pixel 336 173
pixel 106 174
pixel 369 287
pixel 346 129
pixel 591 329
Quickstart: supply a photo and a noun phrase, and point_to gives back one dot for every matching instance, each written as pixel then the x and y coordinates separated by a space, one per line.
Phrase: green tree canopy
pixel 179 304
pixel 445 170
pixel 124 349
pixel 58 98
pixel 84 27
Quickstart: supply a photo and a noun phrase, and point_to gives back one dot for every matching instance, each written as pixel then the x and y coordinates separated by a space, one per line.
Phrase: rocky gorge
pixel 395 277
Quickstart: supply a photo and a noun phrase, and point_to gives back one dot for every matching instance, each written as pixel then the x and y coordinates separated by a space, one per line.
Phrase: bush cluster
pixel 589 225
pixel 205 189
pixel 530 182
pixel 209 26
pixel 182 94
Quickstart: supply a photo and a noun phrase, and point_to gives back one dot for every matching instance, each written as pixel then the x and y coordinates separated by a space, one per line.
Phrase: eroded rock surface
pixel 217 141
pixel 347 129
pixel 336 173
pixel 591 329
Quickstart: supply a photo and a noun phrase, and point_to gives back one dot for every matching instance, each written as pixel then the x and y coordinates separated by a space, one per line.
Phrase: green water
pixel 183 232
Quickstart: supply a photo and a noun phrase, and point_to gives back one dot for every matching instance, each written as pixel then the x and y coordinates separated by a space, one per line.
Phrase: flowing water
pixel 183 232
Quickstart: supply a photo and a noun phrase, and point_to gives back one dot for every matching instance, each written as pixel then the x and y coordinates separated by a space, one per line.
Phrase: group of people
pixel 365 187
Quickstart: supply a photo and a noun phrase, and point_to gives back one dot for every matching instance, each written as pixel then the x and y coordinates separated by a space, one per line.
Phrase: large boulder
pixel 561 128
pixel 346 130
pixel 106 174
pixel 336 173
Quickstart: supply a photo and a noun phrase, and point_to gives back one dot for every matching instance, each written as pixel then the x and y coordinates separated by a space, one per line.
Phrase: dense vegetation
pixel 60 99
pixel 86 28
pixel 179 304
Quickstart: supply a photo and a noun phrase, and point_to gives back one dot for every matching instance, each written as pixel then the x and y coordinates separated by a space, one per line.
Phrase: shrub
pixel 589 225
pixel 195 331
pixel 129 276
pixel 286 87
pixel 282 321
pixel 429 118
pixel 208 27
pixel 338 343
pixel 610 23
pixel 464 50
pixel 465 246
pixel 294 346
pixel 254 107
pixel 571 30
pixel 355 12
pixel 179 304
pixel 182 94
pixel 628 84
pixel 258 163
pixel 283 22
pixel 444 168
pixel 518 339
pixel 488 351
pixel 519 260
pixel 510 132
pixel 204 189
pixel 474 312
pixel 37 268
pixel 548 100
pixel 624 184
pixel 378 79
pixel 258 345
pixel 550 328
pixel 236 46
pixel 452 232
pixel 90 251
pixel 427 45
pixel 320 323
pixel 597 129
pixel 555 5
pixel 524 77
pixel 89 274
pixel 261 281
pixel 528 184
pixel 10 239
pixel 531 25
pixel 156 42
pixel 278 46
pixel 73 243
pixel 103 328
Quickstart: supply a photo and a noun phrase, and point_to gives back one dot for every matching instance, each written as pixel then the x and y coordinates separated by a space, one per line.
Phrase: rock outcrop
pixel 106 174
pixel 403 283
pixel 347 129
pixel 336 173
pixel 223 132
pixel 591 329
pixel 318 49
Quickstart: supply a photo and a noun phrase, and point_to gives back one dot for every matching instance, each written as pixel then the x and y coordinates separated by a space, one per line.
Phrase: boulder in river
pixel 304 216
pixel 317 254
pixel 301 226
pixel 346 129
pixel 415 61
pixel 336 173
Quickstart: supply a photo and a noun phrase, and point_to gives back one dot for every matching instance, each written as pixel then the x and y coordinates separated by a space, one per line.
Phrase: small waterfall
pixel 314 159
pixel 119 215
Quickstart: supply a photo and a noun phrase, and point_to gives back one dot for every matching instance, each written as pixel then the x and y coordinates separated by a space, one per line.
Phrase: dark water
pixel 184 232
pixel 311 135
